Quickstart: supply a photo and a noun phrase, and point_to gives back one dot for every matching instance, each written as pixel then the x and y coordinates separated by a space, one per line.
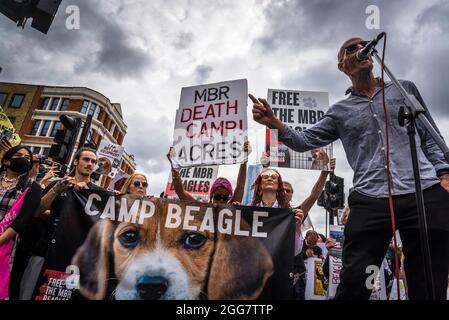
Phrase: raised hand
pixel 299 216
pixel 263 114
pixel 332 163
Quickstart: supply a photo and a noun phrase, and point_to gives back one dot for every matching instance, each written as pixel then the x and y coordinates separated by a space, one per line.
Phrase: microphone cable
pixel 390 195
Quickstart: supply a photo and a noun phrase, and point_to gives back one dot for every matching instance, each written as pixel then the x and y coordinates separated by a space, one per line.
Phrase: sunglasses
pixel 354 47
pixel 224 197
pixel 272 176
pixel 137 184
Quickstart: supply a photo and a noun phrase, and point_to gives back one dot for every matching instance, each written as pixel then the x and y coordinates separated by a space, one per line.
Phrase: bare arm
pixel 48 198
pixel 7 235
pixel 179 188
pixel 308 203
pixel 241 178
pixel 240 187
pixel 46 202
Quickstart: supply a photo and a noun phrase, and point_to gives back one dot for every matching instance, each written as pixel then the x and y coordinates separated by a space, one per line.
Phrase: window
pixel 37 124
pixel 84 107
pixel 56 127
pixel 3 97
pixel 16 100
pixel 12 119
pixel 64 104
pixel 54 104
pixel 92 109
pixel 36 150
pixel 97 114
pixel 112 130
pixel 46 152
pixel 45 127
pixel 44 103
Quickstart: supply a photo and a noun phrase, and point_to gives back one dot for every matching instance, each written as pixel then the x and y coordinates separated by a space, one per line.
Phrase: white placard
pixel 109 156
pixel 211 124
pixel 299 110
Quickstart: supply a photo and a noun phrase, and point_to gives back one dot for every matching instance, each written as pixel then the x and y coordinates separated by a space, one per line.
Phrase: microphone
pixel 363 54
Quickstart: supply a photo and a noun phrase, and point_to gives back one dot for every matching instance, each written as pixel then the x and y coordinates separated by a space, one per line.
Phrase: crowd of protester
pixel 33 195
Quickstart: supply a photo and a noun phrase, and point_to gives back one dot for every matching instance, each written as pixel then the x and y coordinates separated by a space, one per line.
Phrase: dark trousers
pixel 368 233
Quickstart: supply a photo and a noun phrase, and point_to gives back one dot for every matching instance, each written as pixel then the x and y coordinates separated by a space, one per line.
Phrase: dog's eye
pixel 129 238
pixel 193 240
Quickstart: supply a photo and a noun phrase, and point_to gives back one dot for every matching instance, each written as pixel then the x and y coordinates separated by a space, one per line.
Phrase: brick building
pixel 34 111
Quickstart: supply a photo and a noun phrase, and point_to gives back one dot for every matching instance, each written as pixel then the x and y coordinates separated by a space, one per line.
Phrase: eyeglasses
pixel 223 197
pixel 273 176
pixel 137 184
pixel 353 47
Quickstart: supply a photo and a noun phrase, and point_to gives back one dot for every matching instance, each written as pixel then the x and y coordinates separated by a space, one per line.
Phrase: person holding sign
pixel 221 190
pixel 306 205
pixel 359 121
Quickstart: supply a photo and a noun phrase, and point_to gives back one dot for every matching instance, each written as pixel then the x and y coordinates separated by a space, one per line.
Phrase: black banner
pixel 129 247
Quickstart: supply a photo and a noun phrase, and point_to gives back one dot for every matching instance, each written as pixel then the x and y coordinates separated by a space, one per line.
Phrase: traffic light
pixel 65 139
pixel 333 195
pixel 41 11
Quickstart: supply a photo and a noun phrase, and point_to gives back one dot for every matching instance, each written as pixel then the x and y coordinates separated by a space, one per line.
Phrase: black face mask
pixel 20 165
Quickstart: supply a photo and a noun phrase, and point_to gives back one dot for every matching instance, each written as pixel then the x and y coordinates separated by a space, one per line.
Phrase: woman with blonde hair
pixel 136 184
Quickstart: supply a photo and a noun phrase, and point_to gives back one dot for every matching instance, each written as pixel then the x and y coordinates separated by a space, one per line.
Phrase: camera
pixel 333 195
pixel 6 134
pixel 44 161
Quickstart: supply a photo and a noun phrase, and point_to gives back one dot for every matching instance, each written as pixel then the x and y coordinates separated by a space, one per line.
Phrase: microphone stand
pixel 407 117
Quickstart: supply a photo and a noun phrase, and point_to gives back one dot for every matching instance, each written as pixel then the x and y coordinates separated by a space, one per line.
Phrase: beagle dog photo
pixel 130 261
pixel 104 166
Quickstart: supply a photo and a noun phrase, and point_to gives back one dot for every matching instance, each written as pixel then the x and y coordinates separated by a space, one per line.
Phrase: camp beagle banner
pixel 211 124
pixel 127 247
pixel 299 110
pixel 196 181
pixel 109 157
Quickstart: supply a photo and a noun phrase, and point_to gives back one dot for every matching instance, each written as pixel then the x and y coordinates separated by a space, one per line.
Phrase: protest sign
pixel 105 246
pixel 335 260
pixel 306 224
pixel 7 130
pixel 109 156
pixel 316 283
pixel 251 175
pixel 299 110
pixel 196 181
pixel 379 289
pixel 394 290
pixel 118 181
pixel 211 124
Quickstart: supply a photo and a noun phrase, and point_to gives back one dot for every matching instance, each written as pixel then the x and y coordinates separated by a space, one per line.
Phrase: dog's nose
pixel 151 288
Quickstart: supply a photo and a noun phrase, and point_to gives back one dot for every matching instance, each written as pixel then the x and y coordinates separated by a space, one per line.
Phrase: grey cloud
pixel 115 54
pixel 430 64
pixel 100 46
pixel 149 141
pixel 202 73
pixel 183 40
pixel 301 25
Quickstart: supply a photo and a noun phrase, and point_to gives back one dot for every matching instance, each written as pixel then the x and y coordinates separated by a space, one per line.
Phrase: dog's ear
pixel 240 268
pixel 92 259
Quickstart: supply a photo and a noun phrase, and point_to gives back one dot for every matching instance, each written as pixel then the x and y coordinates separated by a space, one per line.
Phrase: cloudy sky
pixel 140 53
